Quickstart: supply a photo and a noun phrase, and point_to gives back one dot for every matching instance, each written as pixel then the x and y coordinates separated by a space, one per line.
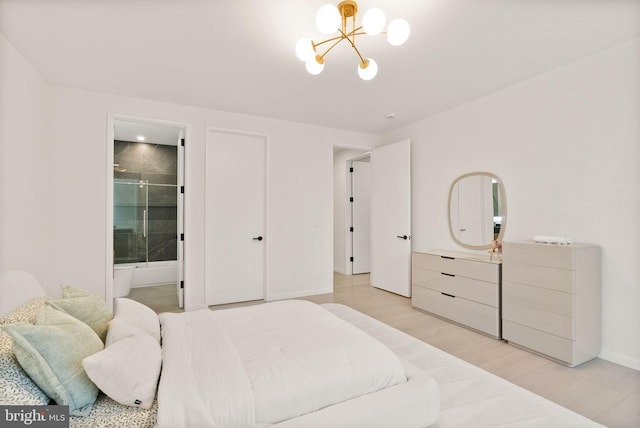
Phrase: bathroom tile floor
pixel 160 298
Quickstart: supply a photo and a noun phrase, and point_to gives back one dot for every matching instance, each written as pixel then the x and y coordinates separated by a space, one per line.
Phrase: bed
pixel 384 378
pixel 287 363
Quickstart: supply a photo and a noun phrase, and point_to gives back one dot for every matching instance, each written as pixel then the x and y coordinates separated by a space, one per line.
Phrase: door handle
pixel 405 237
pixel 258 238
pixel 144 223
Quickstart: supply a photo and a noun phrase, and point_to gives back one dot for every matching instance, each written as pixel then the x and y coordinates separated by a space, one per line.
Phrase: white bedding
pixel 202 382
pixel 264 364
pixel 470 396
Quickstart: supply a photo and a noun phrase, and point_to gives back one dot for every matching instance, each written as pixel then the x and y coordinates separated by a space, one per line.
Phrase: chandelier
pixel 342 19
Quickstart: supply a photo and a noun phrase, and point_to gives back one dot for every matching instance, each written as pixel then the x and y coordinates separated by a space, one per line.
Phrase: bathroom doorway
pixel 147 212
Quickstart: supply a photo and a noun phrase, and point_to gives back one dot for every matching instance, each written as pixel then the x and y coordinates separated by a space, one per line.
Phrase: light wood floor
pixel 605 392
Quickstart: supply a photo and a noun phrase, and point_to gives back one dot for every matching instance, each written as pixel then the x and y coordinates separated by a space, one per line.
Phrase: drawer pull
pixel 447 274
pixel 447 257
pixel 448 295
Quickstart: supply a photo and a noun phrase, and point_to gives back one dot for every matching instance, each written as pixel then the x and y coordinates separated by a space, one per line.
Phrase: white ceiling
pixel 238 55
pixel 152 133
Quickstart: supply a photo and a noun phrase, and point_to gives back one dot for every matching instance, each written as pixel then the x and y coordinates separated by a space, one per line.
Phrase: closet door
pixel 234 209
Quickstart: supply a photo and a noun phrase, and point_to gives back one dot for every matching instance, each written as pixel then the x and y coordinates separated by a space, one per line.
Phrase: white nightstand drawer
pixel 545 277
pixel 448 263
pixel 478 291
pixel 476 315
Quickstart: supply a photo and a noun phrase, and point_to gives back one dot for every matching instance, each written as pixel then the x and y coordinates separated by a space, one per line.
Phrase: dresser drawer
pixel 459 286
pixel 538 298
pixel 545 277
pixel 549 322
pixel 549 255
pixel 555 347
pixel 475 315
pixel 551 299
pixel 483 271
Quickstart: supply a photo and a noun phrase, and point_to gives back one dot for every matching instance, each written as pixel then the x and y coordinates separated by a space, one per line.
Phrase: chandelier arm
pixel 343 28
pixel 326 41
pixel 353 44
pixel 353 32
pixel 358 52
pixel 353 25
pixel 339 39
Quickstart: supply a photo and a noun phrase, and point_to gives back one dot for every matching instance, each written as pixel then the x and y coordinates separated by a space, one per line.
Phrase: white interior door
pixel 391 218
pixel 360 217
pixel 234 225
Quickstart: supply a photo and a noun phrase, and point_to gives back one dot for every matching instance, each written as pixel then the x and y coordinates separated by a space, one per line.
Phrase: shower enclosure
pixel 145 222
pixel 145 211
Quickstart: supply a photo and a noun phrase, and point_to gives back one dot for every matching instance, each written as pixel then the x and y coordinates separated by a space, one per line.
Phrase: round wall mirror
pixel 477 210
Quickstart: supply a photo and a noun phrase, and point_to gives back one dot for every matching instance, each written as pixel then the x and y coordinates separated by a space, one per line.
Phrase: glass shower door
pixel 162 222
pixel 130 220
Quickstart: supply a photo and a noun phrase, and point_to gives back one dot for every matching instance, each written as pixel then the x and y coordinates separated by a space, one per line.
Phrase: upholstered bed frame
pixel 17 287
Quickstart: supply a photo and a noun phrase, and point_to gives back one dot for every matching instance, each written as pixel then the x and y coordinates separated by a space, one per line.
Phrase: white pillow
pixel 128 370
pixel 121 329
pixel 137 314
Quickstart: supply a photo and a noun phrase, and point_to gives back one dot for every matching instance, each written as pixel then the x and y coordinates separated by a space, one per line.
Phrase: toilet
pixel 122 278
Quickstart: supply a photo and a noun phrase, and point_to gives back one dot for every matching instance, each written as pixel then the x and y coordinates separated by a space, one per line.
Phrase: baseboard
pixel 623 360
pixel 189 308
pixel 342 271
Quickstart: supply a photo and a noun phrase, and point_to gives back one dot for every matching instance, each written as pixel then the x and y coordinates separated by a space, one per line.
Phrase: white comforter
pixel 264 364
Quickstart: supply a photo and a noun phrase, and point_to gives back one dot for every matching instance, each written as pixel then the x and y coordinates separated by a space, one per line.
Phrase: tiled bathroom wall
pixel 145 178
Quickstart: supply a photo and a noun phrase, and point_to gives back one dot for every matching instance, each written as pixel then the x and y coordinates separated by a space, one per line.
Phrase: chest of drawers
pixel 551 299
pixel 461 287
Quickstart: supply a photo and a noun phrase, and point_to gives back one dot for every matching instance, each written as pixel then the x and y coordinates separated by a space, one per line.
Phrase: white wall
pixel 24 165
pixel 54 169
pixel 299 192
pixel 567 146
pixel 340 213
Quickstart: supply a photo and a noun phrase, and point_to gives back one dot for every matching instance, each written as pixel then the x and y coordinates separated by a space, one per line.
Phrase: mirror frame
pixel 503 202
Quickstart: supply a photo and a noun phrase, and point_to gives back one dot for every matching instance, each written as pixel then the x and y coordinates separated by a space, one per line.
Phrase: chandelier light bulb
pixel 373 21
pixel 368 69
pixel 328 19
pixel 398 32
pixel 315 65
pixel 339 23
pixel 305 50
